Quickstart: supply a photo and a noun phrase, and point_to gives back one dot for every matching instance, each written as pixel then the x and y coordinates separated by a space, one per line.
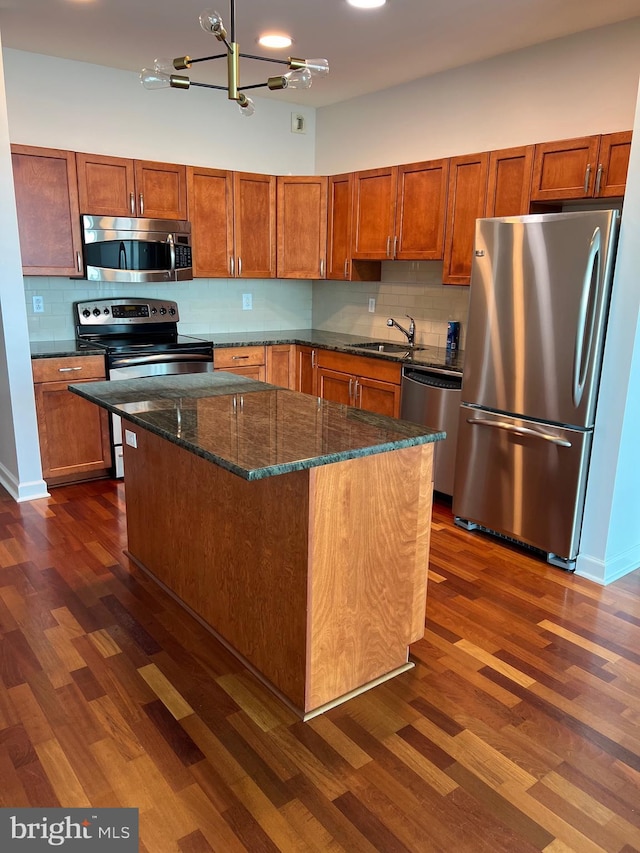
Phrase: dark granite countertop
pixel 435 357
pixel 251 428
pixel 59 349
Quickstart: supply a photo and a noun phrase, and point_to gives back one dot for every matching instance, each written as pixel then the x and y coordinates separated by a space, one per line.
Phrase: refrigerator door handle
pixel 586 314
pixel 519 430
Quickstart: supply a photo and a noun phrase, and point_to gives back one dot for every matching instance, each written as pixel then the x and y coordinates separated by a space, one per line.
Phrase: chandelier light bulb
pixel 165 66
pixel 246 106
pixel 211 22
pixel 299 79
pixel 152 78
pixel 317 67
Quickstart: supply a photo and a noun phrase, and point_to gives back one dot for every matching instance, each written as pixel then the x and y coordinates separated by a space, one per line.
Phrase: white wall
pixel 569 87
pixel 20 471
pixel 58 103
pixel 610 542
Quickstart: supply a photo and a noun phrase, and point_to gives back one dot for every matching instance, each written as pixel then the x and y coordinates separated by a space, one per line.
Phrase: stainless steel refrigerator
pixel 538 306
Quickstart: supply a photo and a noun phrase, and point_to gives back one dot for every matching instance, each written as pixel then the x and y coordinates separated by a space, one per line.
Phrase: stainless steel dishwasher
pixel 431 396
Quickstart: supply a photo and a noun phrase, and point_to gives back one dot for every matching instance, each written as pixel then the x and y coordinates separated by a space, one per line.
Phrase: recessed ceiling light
pixel 366 4
pixel 275 40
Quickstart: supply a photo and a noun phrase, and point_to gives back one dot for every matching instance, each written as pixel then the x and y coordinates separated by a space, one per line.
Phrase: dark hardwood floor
pixel 517 730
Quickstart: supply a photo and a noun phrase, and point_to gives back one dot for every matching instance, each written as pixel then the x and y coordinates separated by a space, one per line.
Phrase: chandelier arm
pixel 252 86
pixel 208 86
pixel 206 58
pixel 265 58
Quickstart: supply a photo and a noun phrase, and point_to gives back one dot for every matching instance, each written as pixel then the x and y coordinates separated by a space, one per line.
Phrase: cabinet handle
pixel 232 265
pixel 68 369
pixel 132 204
pixel 239 357
pixel 321 267
pixel 78 262
pixel 239 266
pixel 388 245
pixel 587 178
pixel 358 392
pixel 346 267
pixel 395 245
pixel 313 359
pixel 350 389
pixel 598 180
pixel 141 197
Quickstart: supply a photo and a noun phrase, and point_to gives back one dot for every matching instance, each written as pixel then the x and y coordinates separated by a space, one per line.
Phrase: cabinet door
pixel 509 183
pixel 106 185
pixel 161 189
pixel 306 372
pixel 281 362
pixel 466 203
pixel 420 210
pixel 383 398
pixel 301 227
pixel 335 386
pixel 613 163
pixel 254 220
pixel 340 265
pixel 374 203
pixel 210 209
pixel 74 433
pixel 565 169
pixel 46 192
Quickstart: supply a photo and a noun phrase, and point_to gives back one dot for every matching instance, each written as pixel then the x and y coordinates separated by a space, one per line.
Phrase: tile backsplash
pixel 215 305
pixel 407 287
pixel 205 305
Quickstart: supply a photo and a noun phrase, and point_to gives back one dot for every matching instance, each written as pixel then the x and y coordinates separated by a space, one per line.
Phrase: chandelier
pixel 299 76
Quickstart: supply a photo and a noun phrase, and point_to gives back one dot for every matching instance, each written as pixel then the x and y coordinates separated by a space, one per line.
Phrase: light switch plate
pixel 130 438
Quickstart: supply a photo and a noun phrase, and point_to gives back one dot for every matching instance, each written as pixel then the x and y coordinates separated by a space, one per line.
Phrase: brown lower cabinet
pixel 74 434
pixel 274 364
pixel 366 383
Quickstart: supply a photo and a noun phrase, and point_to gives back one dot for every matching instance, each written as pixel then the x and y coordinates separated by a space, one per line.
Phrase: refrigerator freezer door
pixel 539 298
pixel 523 479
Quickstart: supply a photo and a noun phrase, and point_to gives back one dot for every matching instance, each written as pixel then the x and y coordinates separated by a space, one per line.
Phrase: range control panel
pixel 126 310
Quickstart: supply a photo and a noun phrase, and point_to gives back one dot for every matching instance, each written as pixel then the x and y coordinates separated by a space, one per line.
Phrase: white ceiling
pixel 367 50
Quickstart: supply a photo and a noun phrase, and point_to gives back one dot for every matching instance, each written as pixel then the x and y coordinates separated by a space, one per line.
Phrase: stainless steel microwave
pixel 120 249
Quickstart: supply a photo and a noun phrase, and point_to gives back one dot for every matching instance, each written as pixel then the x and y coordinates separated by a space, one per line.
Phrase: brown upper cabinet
pixel 46 192
pixel 116 186
pixel 586 167
pixel 254 225
pixel 509 182
pixel 466 203
pixel 340 265
pixel 399 212
pixel 301 227
pixel 210 206
pixel 233 223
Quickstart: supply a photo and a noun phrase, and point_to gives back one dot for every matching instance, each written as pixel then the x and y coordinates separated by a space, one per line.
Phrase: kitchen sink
pixel 384 346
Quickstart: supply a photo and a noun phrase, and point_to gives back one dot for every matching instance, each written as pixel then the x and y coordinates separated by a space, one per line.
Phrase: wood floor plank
pixel 518 729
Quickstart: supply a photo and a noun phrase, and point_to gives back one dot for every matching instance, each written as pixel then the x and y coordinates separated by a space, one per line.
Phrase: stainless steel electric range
pixel 140 338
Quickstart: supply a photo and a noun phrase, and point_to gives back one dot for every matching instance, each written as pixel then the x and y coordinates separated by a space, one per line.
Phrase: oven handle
pixel 158 358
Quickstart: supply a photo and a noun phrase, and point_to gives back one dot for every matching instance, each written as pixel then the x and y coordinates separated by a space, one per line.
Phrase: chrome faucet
pixel 411 334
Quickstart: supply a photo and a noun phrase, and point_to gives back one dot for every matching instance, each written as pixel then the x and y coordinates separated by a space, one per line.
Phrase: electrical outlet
pixel 247 302
pixel 38 305
pixel 372 305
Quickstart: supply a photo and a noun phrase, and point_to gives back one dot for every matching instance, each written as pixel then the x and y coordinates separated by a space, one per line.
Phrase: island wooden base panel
pixel 516 731
pixel 317 578
pixel 258 675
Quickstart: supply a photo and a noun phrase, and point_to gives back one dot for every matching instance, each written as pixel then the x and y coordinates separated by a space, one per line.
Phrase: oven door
pixel 196 360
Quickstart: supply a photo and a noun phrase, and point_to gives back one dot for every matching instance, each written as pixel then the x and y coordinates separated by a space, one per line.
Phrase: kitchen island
pixel 296 529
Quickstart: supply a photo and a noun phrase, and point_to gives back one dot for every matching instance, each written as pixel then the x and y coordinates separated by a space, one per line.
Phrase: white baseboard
pixel 606 571
pixel 22 491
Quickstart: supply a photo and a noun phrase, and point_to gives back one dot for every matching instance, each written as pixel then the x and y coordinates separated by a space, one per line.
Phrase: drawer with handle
pixel 225 357
pixel 71 368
